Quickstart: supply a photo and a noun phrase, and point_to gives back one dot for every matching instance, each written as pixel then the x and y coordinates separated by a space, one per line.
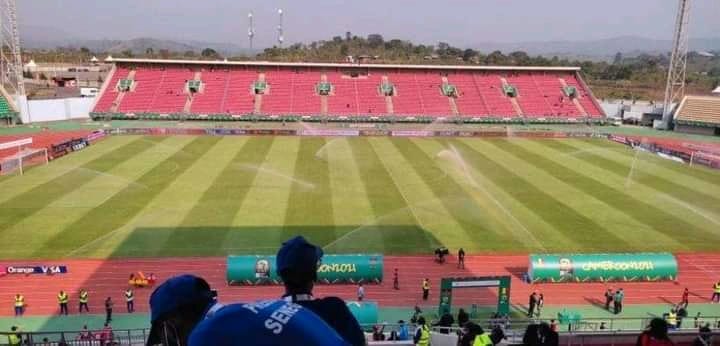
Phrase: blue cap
pixel 173 294
pixel 298 256
pixel 264 323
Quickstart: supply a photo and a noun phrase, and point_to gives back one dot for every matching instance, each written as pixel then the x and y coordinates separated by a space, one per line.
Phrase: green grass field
pixel 186 196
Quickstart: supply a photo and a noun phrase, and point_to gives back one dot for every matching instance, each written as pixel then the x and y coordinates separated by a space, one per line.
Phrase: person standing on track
pixel 532 302
pixel 360 292
pixel 716 293
pixel 63 299
pixel 108 310
pixel 396 280
pixel 19 304
pixel 540 304
pixel 130 300
pixel 619 296
pixel 425 289
pixel 83 298
pixel 685 298
pixel 609 296
pixel 461 259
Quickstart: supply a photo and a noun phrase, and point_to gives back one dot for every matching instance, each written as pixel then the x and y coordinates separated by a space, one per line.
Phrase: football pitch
pixel 140 196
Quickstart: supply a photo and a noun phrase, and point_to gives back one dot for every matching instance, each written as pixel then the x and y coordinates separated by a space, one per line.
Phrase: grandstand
pixel 178 89
pixel 699 115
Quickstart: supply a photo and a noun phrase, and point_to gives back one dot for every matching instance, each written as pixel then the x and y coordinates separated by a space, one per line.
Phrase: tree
pixel 469 54
pixel 344 50
pixel 209 53
pixel 618 58
pixel 495 58
pixel 520 58
pixel 128 53
pixel 189 53
pixel 375 40
pixel 85 50
pixel 164 53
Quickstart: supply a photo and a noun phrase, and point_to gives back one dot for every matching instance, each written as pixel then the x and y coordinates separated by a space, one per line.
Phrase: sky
pixel 459 22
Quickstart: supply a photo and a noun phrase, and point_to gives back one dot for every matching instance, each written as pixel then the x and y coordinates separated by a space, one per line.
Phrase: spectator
pixel 106 335
pixel 360 292
pixel 540 335
pixel 655 335
pixel 297 264
pixel 14 338
pixel 469 333
pixel 422 333
pixel 697 321
pixel 262 323
pixel 554 325
pixel 177 306
pixel 108 310
pixel 602 326
pixel 682 314
pixel 130 300
pixel 378 333
pixel 85 336
pixel 462 317
pixel 415 315
pixel 672 319
pixel 704 337
pixel 445 323
pixel 403 332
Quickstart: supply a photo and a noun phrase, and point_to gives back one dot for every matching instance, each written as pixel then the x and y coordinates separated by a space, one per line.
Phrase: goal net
pixel 15 156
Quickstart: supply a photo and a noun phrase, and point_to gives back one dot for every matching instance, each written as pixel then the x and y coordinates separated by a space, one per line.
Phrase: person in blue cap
pixel 177 306
pixel 264 323
pixel 297 264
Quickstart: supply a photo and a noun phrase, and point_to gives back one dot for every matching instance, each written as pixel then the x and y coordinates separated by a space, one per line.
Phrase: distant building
pixel 699 115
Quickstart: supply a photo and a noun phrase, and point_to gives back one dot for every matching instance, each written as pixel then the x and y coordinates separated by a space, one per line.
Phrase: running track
pixel 109 278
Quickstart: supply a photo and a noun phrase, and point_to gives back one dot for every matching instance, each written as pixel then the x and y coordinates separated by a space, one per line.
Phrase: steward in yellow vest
pixel 483 340
pixel 83 298
pixel 422 333
pixel 63 299
pixel 19 304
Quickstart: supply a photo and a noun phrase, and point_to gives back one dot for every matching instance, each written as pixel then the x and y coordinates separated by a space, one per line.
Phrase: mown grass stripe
pixel 310 209
pixel 126 203
pixel 22 206
pixel 642 176
pixel 207 224
pixel 394 222
pixel 461 206
pixel 700 172
pixel 642 211
pixel 585 232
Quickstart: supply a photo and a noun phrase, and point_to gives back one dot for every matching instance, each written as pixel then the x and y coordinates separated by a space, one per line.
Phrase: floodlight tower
pixel 280 37
pixel 11 69
pixel 251 29
pixel 675 88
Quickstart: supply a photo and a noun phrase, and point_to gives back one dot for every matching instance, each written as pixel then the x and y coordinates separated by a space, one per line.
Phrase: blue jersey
pixel 335 312
pixel 264 323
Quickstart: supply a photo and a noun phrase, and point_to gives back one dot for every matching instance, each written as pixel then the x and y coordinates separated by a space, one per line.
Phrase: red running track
pixel 44 139
pixel 109 278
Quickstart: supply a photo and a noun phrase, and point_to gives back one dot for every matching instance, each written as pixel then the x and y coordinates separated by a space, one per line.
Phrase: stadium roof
pixel 699 110
pixel 338 65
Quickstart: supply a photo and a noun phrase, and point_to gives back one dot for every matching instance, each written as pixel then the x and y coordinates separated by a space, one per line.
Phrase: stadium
pixel 206 167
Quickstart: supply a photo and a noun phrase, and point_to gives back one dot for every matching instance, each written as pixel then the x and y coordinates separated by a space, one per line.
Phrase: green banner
pixel 602 267
pixel 335 269
pixel 365 313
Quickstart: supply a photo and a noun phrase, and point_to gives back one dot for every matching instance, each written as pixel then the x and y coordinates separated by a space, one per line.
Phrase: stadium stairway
pixel 513 100
pixel 109 278
pixel 575 101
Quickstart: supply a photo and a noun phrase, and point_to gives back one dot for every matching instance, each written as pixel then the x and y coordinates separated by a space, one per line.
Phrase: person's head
pixel 396 270
pixel 552 321
pixel 108 299
pixel 297 264
pixel 176 306
pixel 106 324
pixel 401 322
pixel 360 284
pixel 421 320
pixel 84 326
pixel 658 328
pixel 461 311
pixel 13 328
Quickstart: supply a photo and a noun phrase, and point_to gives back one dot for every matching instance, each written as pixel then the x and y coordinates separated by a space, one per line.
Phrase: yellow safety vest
pixel 482 340
pixel 717 288
pixel 672 319
pixel 19 301
pixel 129 296
pixel 13 339
pixel 62 298
pixel 83 297
pixel 424 336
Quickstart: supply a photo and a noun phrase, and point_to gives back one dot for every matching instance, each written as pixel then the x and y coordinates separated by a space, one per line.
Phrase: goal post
pixel 16 161
pixel 711 160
